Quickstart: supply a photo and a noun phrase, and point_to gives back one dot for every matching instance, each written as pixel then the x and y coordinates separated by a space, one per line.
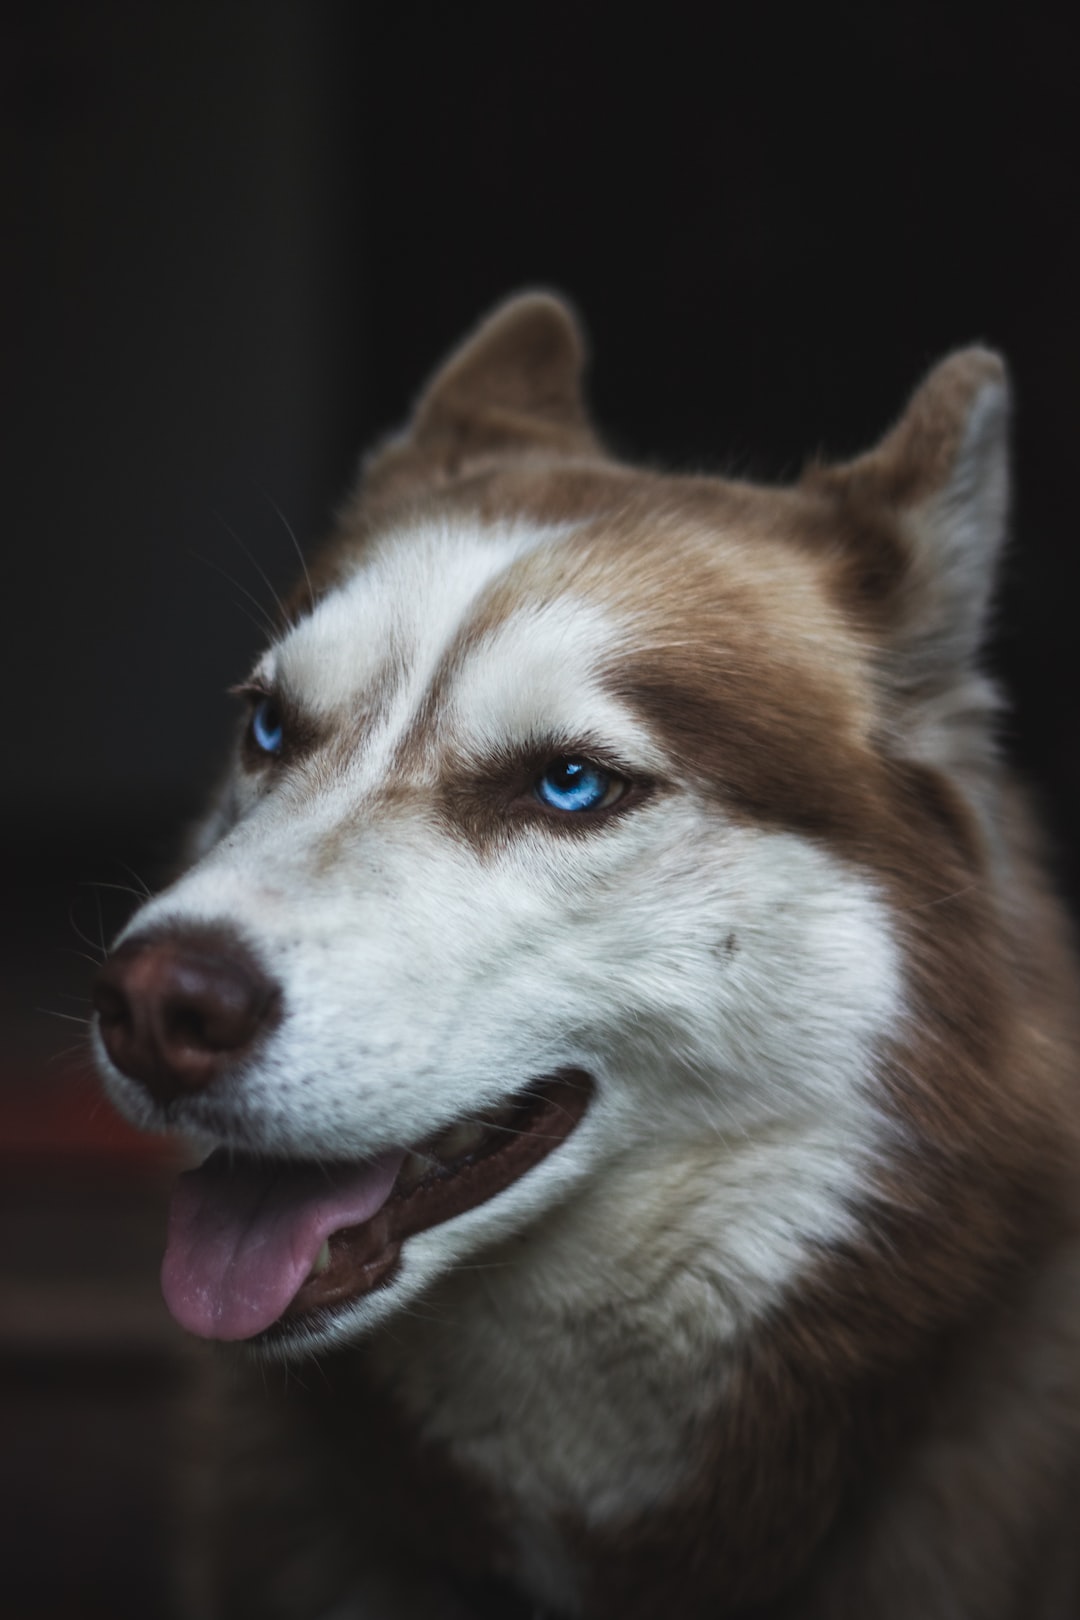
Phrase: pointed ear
pixel 942 474
pixel 513 388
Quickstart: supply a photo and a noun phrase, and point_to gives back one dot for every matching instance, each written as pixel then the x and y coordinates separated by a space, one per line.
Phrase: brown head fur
pixel 811 661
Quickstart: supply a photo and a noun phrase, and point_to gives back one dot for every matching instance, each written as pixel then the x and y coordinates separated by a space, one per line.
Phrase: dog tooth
pixel 503 1115
pixel 459 1140
pixel 321 1260
pixel 413 1170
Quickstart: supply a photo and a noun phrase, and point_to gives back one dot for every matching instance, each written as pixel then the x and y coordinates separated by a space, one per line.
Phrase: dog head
pixel 575 826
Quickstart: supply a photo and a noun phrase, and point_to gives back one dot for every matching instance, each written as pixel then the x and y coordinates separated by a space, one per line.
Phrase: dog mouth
pixel 256 1247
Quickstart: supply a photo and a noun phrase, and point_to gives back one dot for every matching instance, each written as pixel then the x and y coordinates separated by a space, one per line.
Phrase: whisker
pixel 264 623
pixel 262 626
pixel 143 886
pixel 258 567
pixel 316 1364
pixel 71 1018
pixel 941 899
pixel 118 888
pixel 101 925
pixel 431 1314
pixel 96 1102
pixel 97 959
pixel 493 1125
pixel 489 1265
pixel 66 1052
pixel 265 493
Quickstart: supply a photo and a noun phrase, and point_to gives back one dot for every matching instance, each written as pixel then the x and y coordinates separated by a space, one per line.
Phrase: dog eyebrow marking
pixel 516 684
pixel 457 649
pixel 429 644
pixel 383 634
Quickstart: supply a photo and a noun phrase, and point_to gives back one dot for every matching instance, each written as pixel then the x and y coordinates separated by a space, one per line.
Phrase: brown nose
pixel 175 1009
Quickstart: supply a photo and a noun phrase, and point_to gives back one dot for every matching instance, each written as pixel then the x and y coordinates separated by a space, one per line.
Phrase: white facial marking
pixel 374 646
pixel 726 986
pixel 535 674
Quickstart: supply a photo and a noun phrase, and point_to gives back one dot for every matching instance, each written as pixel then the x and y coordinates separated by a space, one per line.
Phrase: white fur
pixel 727 986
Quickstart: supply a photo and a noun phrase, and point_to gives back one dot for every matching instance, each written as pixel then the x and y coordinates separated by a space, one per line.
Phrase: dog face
pixel 561 841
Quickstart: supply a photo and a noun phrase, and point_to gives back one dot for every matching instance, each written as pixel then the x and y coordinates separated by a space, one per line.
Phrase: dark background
pixel 239 235
pixel 246 232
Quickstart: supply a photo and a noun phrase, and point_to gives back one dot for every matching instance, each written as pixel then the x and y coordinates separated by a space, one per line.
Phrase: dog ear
pixel 928 507
pixel 513 388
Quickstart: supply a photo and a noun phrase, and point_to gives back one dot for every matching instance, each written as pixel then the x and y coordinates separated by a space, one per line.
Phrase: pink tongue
pixel 243 1236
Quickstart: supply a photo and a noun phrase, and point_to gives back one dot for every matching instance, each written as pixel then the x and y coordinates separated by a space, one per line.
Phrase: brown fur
pixel 900 1439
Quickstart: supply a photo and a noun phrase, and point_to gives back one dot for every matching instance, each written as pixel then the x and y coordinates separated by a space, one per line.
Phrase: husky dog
pixel 633 1041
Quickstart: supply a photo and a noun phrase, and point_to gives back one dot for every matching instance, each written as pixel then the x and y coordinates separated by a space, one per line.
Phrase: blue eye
pixel 267 732
pixel 577 784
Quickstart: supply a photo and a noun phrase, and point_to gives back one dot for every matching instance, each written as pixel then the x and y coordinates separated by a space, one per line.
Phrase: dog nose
pixel 175 1009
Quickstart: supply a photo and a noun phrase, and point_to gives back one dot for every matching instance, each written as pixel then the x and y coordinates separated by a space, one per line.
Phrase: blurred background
pixel 239 235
